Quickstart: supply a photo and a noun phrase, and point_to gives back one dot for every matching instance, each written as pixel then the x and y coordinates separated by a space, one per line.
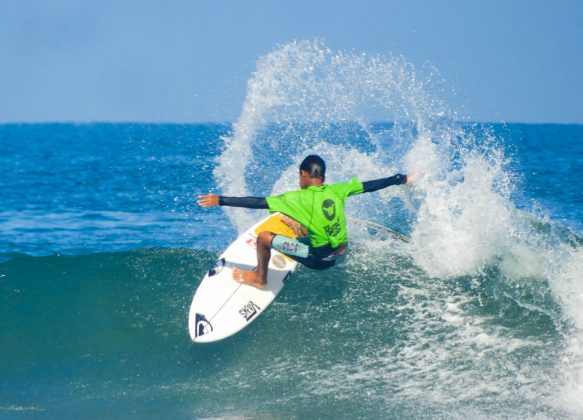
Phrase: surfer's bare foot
pixel 252 278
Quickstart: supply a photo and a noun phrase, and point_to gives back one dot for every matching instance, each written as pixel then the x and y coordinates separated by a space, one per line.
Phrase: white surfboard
pixel 222 306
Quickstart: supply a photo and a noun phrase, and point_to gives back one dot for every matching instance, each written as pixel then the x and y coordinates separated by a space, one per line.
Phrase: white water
pixel 461 216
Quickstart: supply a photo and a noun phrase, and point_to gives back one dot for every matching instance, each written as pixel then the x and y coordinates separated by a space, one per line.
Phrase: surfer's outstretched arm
pixel 379 184
pixel 212 200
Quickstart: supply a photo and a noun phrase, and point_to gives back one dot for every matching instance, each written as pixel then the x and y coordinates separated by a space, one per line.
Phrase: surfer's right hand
pixel 298 229
pixel 208 200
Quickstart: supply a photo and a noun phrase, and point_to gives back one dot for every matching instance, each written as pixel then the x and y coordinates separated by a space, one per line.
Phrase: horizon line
pixel 137 122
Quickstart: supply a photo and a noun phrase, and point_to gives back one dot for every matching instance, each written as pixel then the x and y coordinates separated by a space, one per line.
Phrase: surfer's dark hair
pixel 315 167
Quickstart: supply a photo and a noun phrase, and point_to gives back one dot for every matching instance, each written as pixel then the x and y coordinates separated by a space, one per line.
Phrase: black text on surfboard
pixel 249 310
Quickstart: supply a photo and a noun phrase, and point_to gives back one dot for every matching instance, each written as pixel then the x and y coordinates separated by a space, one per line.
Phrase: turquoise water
pixel 102 247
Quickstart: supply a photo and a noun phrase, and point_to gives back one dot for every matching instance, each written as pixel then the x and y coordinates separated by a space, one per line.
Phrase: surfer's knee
pixel 264 238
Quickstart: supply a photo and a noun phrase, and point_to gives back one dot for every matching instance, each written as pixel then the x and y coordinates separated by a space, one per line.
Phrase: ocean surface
pixel 102 247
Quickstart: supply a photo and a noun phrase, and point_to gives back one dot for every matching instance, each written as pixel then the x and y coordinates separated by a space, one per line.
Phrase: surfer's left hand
pixel 208 200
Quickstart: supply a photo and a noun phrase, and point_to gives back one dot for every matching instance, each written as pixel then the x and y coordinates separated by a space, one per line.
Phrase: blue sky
pixel 189 61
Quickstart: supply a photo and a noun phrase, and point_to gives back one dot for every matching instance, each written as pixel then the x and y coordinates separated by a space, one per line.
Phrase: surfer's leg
pixel 321 258
pixel 258 277
pixel 263 254
pixel 291 247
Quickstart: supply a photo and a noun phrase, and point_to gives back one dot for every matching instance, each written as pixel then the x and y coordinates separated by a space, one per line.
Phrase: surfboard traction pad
pixel 275 224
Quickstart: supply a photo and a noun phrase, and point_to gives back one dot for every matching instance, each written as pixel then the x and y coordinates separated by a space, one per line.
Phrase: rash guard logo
pixel 329 209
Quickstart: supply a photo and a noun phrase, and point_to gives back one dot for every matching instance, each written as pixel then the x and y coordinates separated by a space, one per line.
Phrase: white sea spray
pixel 467 231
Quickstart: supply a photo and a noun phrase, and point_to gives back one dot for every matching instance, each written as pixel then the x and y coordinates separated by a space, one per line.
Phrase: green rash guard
pixel 319 209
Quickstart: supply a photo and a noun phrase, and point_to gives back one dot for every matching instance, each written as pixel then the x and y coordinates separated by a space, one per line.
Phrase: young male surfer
pixel 316 209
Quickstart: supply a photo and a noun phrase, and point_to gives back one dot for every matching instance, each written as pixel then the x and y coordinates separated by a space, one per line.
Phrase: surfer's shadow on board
pixel 223 263
pixel 232 265
pixel 220 264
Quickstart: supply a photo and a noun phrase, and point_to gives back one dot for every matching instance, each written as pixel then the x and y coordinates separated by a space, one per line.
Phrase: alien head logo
pixel 329 209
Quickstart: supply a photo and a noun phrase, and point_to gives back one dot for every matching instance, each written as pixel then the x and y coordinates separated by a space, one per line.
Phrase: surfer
pixel 315 212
